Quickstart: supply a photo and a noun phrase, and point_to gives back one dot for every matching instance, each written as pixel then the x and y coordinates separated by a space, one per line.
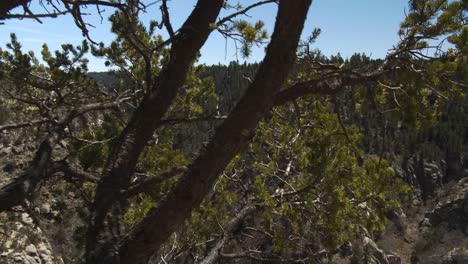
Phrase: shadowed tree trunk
pixel 230 138
pixel 110 202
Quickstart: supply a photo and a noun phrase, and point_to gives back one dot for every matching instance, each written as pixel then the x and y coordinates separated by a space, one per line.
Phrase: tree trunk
pixel 110 202
pixel 230 138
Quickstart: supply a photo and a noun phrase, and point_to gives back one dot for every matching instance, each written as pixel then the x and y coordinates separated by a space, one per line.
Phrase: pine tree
pixel 280 147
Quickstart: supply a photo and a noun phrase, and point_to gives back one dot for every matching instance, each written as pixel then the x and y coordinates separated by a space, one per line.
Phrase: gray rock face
pixel 36 234
pixel 45 208
pixel 26 219
pixel 375 251
pixel 31 250
pixel 444 238
pixel 426 175
pixel 5 151
pixel 453 210
pixel 455 256
pixel 25 242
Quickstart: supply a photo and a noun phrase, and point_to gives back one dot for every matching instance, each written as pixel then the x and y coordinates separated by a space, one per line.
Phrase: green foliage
pixel 339 195
pixel 154 160
pixel 434 18
pixel 62 80
pixel 196 98
pixel 137 52
pixel 248 34
pixel 343 191
pixel 315 167
pixel 93 145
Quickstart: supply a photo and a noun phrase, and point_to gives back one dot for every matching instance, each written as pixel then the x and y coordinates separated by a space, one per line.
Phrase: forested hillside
pixel 299 158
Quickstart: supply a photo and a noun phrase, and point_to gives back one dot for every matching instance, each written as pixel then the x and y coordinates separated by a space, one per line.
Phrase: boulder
pixel 31 250
pixel 376 252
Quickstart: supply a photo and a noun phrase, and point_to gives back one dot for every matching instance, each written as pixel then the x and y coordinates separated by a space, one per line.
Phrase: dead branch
pixel 215 253
pixel 149 184
pixel 24 124
pixel 243 11
pixel 72 171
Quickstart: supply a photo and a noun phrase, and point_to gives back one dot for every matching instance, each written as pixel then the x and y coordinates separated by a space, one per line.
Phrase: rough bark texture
pixel 110 202
pixel 230 138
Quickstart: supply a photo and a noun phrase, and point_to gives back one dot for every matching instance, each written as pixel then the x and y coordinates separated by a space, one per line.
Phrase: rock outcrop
pixel 444 231
pixel 35 233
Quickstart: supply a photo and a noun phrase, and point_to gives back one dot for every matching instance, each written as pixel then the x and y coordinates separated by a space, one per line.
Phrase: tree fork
pixel 230 138
pixel 110 202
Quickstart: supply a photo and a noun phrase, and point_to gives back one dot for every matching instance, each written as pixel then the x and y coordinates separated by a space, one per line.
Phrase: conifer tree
pixel 279 149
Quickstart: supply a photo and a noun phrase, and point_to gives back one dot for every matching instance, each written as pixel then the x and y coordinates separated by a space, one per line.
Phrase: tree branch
pixel 34 16
pixel 150 183
pixel 191 120
pixel 16 192
pixel 243 11
pixel 166 19
pixel 215 253
pixel 110 203
pixel 7 6
pixel 72 171
pixel 230 138
pixel 24 124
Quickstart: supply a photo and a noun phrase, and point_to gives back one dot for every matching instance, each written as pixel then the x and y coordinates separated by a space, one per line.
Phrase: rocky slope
pixel 46 231
pixel 434 231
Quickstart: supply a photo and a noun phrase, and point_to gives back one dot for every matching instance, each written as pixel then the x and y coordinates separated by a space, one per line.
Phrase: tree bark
pixel 7 6
pixel 110 202
pixel 230 138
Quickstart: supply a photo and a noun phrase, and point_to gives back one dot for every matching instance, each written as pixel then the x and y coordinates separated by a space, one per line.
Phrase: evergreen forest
pixel 297 158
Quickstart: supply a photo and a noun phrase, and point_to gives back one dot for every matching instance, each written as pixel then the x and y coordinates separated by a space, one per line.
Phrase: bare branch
pixel 24 124
pixel 243 11
pixel 192 120
pixel 93 107
pixel 150 183
pixel 72 171
pixel 215 253
pixel 166 19
pixel 35 16
pixel 16 192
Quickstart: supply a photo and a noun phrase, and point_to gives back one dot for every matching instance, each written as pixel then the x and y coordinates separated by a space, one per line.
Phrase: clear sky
pixel 348 26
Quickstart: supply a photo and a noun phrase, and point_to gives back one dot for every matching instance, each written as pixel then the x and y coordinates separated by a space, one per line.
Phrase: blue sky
pixel 348 26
